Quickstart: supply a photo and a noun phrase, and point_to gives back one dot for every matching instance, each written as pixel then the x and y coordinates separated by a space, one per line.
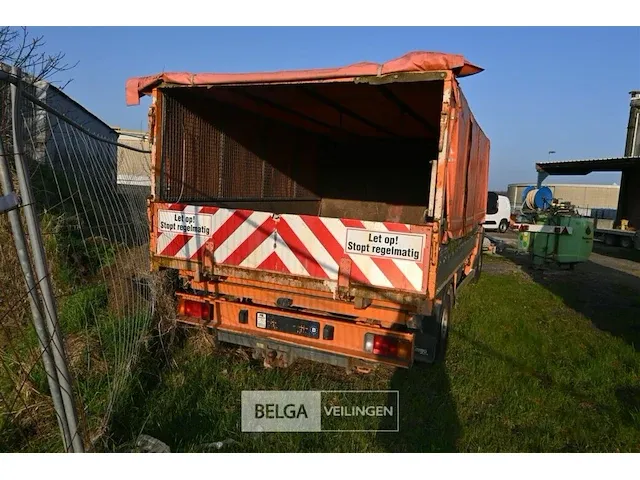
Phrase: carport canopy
pixel 586 166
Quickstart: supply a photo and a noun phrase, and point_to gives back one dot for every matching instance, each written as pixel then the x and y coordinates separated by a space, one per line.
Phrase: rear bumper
pixel 292 351
pixel 238 323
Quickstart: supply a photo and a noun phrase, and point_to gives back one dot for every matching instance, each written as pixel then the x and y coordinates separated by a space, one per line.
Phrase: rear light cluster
pixel 387 346
pixel 194 309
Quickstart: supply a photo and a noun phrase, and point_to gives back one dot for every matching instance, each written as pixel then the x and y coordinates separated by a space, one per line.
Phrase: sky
pixel 560 89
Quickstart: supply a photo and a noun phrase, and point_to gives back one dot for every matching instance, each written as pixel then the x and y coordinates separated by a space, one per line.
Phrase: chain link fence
pixel 77 297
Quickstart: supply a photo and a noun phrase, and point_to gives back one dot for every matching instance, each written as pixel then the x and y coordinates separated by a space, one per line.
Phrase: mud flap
pixel 426 340
pixel 425 348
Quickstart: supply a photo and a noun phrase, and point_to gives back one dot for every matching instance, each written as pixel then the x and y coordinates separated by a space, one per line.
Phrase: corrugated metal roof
pixel 43 87
pixel 584 166
pixel 579 185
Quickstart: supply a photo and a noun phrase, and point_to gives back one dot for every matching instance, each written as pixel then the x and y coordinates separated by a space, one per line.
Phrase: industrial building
pixel 586 197
pixel 57 144
pixel 134 167
pixel 628 206
pixel 134 171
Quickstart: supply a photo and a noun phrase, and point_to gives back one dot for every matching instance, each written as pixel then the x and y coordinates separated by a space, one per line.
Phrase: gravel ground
pixel 614 258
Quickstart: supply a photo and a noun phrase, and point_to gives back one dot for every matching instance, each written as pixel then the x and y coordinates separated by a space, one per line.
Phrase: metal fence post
pixel 41 268
pixel 34 303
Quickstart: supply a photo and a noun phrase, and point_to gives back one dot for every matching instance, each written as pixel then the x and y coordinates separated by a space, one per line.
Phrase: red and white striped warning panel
pixel 382 254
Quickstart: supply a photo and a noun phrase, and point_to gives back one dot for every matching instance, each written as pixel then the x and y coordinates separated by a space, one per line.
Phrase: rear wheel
pixel 609 240
pixel 443 321
pixel 504 224
pixel 626 242
pixel 477 267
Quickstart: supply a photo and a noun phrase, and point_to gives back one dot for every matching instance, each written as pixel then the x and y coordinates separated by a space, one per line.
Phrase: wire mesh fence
pixel 88 209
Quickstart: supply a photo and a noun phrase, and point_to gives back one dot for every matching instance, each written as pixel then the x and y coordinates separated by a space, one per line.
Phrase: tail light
pixel 194 309
pixel 387 346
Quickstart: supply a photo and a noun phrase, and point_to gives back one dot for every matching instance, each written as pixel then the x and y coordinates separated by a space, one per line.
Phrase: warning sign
pixel 401 246
pixel 172 221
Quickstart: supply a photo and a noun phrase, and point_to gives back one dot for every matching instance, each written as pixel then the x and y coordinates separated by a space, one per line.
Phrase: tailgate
pixel 380 254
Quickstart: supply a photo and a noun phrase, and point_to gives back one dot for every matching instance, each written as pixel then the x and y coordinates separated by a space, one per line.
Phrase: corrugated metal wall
pixel 134 167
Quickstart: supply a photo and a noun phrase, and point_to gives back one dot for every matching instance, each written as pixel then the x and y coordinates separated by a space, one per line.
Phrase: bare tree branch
pixel 19 48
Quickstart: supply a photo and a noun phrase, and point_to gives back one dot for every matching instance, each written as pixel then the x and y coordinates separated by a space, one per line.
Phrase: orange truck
pixel 327 214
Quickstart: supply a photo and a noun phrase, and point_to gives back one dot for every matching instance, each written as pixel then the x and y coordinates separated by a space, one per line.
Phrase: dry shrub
pixel 201 340
pixel 34 410
pixel 28 408
pixel 125 295
pixel 12 286
pixel 165 321
pixel 22 402
pixel 163 290
pixel 82 353
pixel 174 378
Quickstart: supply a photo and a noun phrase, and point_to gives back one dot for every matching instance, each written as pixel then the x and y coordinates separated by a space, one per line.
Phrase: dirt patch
pixel 499 264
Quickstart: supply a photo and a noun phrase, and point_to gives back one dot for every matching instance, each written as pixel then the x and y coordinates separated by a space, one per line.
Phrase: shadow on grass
pixel 608 297
pixel 205 405
pixel 428 420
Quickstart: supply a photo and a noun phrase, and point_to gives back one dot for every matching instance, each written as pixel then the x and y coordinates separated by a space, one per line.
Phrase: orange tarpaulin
pixel 411 62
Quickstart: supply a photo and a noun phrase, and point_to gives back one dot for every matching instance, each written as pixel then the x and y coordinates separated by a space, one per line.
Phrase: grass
pixel 533 365
pixel 101 317
pixel 525 372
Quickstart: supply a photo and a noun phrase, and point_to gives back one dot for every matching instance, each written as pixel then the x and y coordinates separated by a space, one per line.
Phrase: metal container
pixel 560 239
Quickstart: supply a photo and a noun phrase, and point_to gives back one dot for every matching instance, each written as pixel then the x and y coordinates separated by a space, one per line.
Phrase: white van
pixel 498 213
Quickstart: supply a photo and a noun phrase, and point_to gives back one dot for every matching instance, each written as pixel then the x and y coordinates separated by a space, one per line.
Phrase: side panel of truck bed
pixel 380 254
pixel 467 169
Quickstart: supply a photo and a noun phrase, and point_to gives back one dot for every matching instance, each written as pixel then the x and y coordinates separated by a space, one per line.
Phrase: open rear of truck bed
pixel 321 213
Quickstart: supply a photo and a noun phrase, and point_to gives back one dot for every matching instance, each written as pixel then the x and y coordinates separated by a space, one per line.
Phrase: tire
pixel 478 261
pixel 609 240
pixel 443 322
pixel 504 225
pixel 477 267
pixel 626 242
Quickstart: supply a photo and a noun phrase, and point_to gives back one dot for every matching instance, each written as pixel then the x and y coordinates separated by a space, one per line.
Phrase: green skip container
pixel 560 239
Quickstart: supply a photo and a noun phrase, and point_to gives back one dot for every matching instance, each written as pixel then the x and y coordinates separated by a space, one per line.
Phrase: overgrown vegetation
pixel 94 239
pixel 525 372
pixel 102 313
pixel 535 363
